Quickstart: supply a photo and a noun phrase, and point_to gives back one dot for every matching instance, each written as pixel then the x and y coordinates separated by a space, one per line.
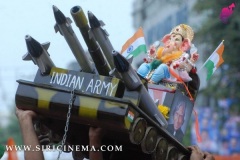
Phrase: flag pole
pixel 210 56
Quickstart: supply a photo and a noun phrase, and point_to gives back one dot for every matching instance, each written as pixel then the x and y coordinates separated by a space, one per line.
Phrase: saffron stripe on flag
pixel 220 52
pixel 137 35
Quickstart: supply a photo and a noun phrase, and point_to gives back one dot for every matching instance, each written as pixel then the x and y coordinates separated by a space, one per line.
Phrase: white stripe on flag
pixel 133 46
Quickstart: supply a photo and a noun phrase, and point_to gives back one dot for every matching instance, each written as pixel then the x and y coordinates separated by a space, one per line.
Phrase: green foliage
pixel 212 32
pixel 11 130
pixel 187 137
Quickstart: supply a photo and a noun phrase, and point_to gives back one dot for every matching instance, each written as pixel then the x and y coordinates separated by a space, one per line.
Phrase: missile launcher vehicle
pixel 68 102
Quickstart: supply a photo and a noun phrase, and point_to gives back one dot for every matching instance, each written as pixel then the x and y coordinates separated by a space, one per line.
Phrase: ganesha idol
pixel 173 58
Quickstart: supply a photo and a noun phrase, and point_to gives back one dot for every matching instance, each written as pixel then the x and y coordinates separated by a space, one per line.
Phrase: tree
pixel 212 32
pixel 11 130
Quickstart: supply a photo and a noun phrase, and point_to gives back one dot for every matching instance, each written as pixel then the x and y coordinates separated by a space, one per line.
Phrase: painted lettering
pixel 105 87
pixel 63 79
pixel 69 77
pixel 73 82
pixel 79 82
pixel 112 88
pixel 96 86
pixel 52 78
pixel 90 85
pixel 57 78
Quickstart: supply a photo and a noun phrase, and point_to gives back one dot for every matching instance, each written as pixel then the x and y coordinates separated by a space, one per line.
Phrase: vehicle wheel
pixel 138 130
pixel 183 157
pixel 161 149
pixel 172 153
pixel 149 141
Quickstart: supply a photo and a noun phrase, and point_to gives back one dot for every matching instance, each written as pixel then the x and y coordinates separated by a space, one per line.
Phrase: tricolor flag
pixel 130 116
pixel 214 61
pixel 135 45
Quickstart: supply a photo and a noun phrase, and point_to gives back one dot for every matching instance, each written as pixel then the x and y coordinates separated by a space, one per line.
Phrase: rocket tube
pixel 101 36
pixel 63 25
pixel 93 47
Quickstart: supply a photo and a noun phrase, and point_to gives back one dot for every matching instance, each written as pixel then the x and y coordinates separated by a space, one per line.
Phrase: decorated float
pixel 136 107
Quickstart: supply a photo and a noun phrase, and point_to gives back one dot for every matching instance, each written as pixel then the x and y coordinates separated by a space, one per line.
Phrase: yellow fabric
pixel 168 56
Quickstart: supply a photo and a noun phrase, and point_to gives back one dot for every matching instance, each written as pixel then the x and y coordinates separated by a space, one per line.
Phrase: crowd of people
pixel 220 131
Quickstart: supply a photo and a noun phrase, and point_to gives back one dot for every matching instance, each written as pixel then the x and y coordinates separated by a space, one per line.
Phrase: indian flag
pixel 130 116
pixel 214 61
pixel 135 45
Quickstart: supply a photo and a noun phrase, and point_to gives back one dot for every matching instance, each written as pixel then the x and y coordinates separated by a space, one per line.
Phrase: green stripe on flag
pixel 210 66
pixel 138 50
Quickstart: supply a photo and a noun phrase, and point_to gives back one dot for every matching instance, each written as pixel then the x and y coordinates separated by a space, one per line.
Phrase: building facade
pixel 158 17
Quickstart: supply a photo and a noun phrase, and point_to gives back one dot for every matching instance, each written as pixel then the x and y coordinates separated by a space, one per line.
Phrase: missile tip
pixel 28 37
pixel 59 16
pixel 120 62
pixel 55 9
pixel 90 14
pixel 94 22
pixel 114 52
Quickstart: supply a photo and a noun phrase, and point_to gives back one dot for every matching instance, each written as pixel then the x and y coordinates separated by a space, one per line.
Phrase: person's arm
pixel 28 133
pixel 95 139
pixel 197 154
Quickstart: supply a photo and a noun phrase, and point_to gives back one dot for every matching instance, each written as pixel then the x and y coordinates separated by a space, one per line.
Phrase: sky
pixel 35 18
